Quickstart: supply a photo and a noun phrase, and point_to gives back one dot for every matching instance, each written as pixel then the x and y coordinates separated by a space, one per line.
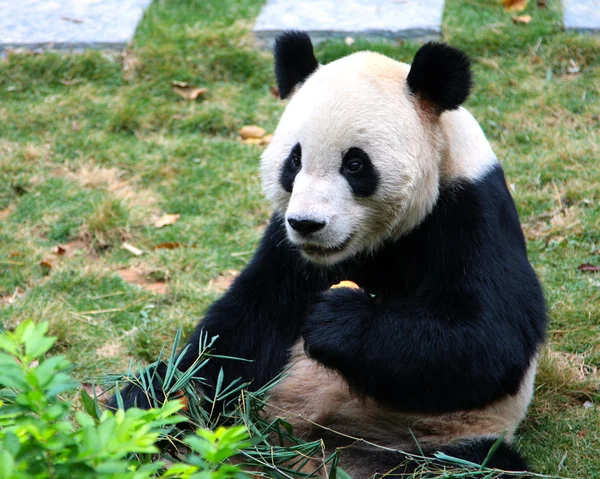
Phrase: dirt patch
pixel 141 276
pixel 222 282
pixel 113 180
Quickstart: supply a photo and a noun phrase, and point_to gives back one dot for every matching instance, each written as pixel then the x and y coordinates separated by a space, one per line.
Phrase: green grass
pixel 95 147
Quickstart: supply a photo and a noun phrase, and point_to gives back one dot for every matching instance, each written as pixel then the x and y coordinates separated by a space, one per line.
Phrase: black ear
pixel 441 76
pixel 294 60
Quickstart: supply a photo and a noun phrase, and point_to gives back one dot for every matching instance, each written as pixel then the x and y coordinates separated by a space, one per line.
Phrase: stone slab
pixel 373 19
pixel 582 15
pixel 69 23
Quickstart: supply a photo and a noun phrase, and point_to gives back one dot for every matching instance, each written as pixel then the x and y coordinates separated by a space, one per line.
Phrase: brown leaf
pixel 46 264
pixel 168 219
pixel 537 60
pixel 60 250
pixel 251 131
pixel 74 247
pixel 168 245
pixel 588 268
pixel 265 140
pixel 274 91
pixel 253 141
pixel 14 254
pixel 542 3
pixel 222 282
pixel 522 19
pixel 514 5
pixel 187 91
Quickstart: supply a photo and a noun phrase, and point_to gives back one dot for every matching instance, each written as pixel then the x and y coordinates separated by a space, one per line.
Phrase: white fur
pixel 362 100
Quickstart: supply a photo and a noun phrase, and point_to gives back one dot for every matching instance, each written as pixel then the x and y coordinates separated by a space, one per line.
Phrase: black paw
pixel 142 392
pixel 335 328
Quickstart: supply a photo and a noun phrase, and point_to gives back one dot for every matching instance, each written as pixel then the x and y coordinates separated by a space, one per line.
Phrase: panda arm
pixel 258 319
pixel 434 352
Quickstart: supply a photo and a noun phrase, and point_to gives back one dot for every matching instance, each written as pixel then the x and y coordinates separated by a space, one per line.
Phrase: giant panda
pixel 377 175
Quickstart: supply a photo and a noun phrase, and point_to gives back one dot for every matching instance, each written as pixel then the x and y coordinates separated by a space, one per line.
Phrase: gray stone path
pixel 69 23
pixel 582 15
pixel 324 19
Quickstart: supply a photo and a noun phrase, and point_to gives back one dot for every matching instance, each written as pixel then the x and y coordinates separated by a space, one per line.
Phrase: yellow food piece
pixel 345 284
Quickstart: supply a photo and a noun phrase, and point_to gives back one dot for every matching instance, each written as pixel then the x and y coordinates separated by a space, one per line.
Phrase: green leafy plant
pixel 42 436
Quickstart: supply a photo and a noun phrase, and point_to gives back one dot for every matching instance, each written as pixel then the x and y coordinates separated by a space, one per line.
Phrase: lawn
pixel 96 148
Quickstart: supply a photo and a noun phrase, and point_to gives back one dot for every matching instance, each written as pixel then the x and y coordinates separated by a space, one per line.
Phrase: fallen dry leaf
pixel 132 249
pixel 588 268
pixel 168 245
pixel 60 250
pixel 165 220
pixel 252 141
pixel 74 247
pixel 14 254
pixel 46 264
pixel 222 282
pixel 265 140
pixel 251 131
pixel 187 91
pixel 274 91
pixel 490 63
pixel 514 5
pixel 522 19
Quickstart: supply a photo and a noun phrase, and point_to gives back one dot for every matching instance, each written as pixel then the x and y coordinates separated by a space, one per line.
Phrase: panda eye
pixel 354 165
pixel 296 162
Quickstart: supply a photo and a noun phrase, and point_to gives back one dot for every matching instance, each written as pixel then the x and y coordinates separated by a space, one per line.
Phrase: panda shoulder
pixel 469 155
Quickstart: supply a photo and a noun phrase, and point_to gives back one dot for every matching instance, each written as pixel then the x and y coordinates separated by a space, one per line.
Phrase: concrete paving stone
pixel 69 23
pixel 582 15
pixel 323 19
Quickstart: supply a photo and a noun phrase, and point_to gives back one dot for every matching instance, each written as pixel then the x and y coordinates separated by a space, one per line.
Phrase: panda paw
pixel 334 330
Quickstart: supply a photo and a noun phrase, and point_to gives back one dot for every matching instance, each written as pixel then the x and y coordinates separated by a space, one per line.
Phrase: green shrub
pixel 42 436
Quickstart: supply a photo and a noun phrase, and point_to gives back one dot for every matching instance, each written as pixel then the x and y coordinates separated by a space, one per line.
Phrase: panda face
pixel 351 162
pixel 356 157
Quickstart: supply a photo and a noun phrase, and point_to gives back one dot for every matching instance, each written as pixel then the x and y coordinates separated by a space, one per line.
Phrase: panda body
pixel 378 176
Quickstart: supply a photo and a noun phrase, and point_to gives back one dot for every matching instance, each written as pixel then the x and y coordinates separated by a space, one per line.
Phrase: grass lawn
pixel 94 148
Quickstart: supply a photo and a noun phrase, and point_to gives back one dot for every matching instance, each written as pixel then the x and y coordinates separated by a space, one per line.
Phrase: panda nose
pixel 306 227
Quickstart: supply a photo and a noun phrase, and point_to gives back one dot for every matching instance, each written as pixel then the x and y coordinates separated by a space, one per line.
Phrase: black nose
pixel 305 227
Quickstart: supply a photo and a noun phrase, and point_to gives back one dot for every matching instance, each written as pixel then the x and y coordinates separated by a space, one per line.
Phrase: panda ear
pixel 294 60
pixel 440 76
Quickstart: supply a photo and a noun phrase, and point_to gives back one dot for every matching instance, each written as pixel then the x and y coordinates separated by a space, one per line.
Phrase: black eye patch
pixel 291 167
pixel 360 173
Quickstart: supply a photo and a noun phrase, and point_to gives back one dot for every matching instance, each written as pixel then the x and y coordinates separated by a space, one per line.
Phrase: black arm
pixel 259 318
pixel 434 352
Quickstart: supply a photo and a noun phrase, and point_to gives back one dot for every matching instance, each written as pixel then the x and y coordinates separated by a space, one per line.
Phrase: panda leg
pixel 367 462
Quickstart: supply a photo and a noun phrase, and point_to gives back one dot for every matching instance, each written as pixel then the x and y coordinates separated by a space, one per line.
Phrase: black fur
pixel 294 60
pixel 457 316
pixel 458 312
pixel 288 170
pixel 364 181
pixel 440 75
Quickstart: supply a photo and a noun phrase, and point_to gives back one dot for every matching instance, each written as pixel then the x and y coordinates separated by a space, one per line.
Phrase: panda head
pixel 356 156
